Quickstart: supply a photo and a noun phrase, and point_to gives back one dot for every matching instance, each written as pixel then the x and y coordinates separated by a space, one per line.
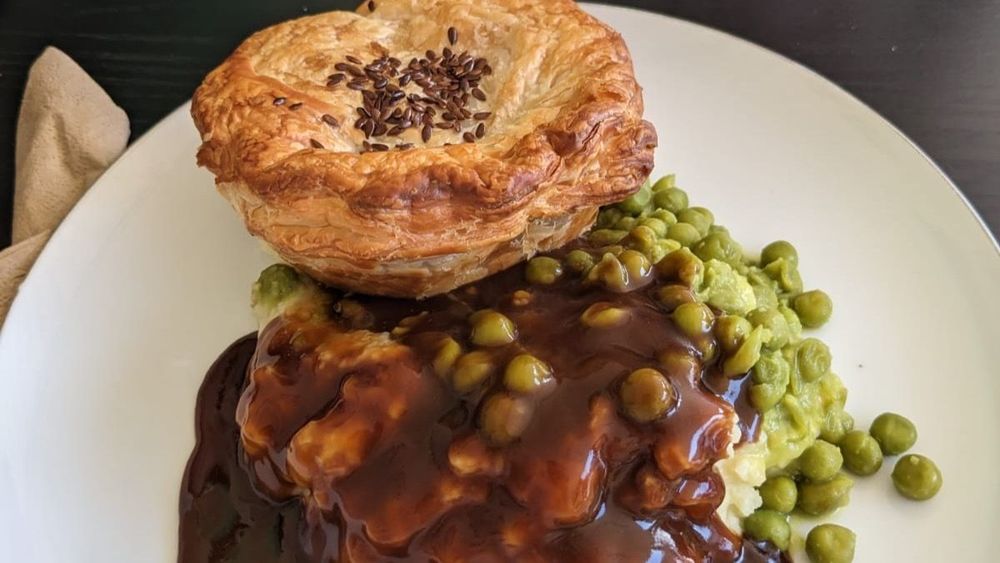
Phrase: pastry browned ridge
pixel 418 145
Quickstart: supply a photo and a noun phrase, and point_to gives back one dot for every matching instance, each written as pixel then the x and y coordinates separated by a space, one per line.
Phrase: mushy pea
pixel 748 315
pixel 743 317
pixel 793 385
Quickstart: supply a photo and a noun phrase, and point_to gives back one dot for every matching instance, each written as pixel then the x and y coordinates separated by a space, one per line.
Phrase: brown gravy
pixel 228 515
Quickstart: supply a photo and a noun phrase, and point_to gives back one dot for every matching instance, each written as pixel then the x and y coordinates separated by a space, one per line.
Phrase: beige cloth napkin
pixel 68 132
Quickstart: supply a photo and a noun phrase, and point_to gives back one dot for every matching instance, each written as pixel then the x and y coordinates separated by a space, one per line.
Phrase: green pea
pixel 768 525
pixel 662 248
pixel 684 233
pixel 641 238
pixel 448 352
pixel 836 425
pixel 697 218
pixel 527 374
pixel 719 246
pixel 626 223
pixel 673 200
pixel 680 364
pixel 779 249
pixel 611 273
pixel 658 226
pixel 708 347
pixel 664 183
pixel 709 216
pixel 604 315
pixel 608 217
pixel 670 245
pixel 771 368
pixel 580 261
pixel 604 237
pixel 820 461
pixel 543 270
pixel 756 276
pixel 673 296
pixel 818 498
pixel 794 324
pixel 732 330
pixel 786 274
pixel 767 298
pixel 646 395
pixel 746 357
pixel 813 307
pixel 830 543
pixel 812 359
pixel 833 392
pixel 779 493
pixel 683 266
pixel 471 371
pixel 490 328
pixel 771 376
pixel 764 396
pixel 894 433
pixel 636 265
pixel 693 319
pixel 664 215
pixel 636 202
pixel 916 477
pixel 503 418
pixel 862 455
pixel 774 322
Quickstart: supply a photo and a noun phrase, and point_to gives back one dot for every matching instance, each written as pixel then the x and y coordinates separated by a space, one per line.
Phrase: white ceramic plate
pixel 147 282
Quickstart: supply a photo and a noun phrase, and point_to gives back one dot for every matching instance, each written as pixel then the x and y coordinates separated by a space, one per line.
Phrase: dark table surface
pixel 931 67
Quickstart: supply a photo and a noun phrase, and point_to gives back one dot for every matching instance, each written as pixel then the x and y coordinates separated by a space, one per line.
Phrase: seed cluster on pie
pixel 446 82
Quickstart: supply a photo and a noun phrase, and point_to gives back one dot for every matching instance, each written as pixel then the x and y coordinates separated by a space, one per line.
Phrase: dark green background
pixel 932 67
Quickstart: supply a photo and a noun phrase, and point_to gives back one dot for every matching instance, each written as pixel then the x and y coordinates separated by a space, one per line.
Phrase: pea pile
pixel 594 384
pixel 555 411
pixel 749 316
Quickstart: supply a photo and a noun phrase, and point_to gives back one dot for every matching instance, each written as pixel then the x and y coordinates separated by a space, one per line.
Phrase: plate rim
pixel 844 93
pixel 170 120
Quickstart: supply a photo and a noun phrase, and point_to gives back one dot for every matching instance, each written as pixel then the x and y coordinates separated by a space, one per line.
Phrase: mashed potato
pixel 743 471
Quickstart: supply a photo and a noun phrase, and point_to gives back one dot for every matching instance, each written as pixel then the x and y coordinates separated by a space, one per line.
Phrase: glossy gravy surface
pixel 419 481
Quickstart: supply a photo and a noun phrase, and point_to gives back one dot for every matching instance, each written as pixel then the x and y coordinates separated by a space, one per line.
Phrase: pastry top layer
pixel 564 131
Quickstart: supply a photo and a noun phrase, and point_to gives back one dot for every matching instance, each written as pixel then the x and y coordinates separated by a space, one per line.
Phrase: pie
pixel 416 146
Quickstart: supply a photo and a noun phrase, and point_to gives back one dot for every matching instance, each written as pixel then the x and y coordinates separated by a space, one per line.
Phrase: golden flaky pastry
pixel 530 110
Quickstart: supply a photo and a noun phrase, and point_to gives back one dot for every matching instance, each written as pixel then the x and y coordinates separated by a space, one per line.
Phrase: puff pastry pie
pixel 418 145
